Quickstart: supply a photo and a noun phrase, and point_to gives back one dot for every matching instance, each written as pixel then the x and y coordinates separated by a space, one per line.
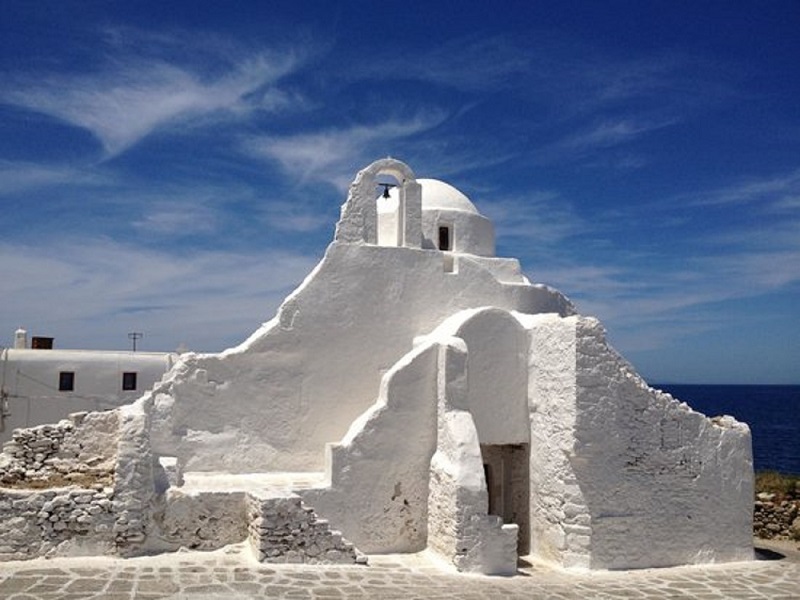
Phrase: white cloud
pixel 168 219
pixel 17 176
pixel 609 133
pixel 182 208
pixel 541 217
pixel 99 290
pixel 332 155
pixel 647 306
pixel 296 217
pixel 781 191
pixel 129 98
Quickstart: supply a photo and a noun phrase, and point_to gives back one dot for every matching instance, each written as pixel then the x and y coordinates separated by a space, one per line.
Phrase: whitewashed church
pixel 414 393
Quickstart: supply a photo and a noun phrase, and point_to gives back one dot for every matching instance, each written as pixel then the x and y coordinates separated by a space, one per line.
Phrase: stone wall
pixel 559 515
pixel 56 521
pixel 135 478
pixel 460 530
pixel 81 486
pixel 443 524
pixel 56 488
pixel 776 518
pixel 80 450
pixel 283 530
pixel 199 521
pixel 92 485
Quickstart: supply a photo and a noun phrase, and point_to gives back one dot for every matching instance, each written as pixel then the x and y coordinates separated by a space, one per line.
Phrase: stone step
pixel 283 529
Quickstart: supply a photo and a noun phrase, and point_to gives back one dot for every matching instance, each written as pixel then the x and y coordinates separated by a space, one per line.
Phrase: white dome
pixel 438 195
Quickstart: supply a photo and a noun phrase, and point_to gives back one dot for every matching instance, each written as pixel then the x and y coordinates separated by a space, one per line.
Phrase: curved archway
pixel 481 469
pixel 497 375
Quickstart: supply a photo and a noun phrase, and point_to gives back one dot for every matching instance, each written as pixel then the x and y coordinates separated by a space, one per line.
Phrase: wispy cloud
pixel 684 296
pixel 168 219
pixel 540 215
pixel 129 97
pixel 333 154
pixel 651 295
pixel 610 133
pixel 667 79
pixel 182 207
pixel 296 217
pixel 106 289
pixel 17 176
pixel 780 191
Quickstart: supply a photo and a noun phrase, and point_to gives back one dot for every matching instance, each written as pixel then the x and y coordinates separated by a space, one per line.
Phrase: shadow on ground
pixel 767 554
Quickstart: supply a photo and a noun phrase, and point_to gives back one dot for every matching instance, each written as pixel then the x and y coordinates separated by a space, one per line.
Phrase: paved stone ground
pixel 233 574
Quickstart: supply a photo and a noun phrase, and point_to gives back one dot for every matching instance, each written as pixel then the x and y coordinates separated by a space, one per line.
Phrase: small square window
pixel 128 381
pixel 66 381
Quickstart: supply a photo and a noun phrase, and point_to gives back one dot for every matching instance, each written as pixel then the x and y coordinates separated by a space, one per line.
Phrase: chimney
pixel 20 339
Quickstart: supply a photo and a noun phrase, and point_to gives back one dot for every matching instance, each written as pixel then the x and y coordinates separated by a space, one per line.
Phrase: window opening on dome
pixel 445 238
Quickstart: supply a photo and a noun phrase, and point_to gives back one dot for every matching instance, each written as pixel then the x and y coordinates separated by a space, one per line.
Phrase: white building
pixel 45 385
pixel 420 394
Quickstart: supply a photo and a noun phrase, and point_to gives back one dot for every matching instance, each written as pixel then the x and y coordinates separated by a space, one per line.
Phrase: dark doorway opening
pixel 506 469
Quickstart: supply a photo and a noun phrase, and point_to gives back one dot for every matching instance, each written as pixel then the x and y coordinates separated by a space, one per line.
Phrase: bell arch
pixel 358 223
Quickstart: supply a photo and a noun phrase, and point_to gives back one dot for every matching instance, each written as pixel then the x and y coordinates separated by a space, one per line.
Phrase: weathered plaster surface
pixel 653 469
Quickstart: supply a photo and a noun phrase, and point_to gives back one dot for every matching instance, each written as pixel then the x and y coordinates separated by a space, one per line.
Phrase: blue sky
pixel 176 168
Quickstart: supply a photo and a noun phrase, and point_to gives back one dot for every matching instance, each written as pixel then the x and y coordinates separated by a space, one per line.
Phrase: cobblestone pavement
pixel 233 574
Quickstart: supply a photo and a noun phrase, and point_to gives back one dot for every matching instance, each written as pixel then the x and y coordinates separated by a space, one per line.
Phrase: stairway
pixel 284 530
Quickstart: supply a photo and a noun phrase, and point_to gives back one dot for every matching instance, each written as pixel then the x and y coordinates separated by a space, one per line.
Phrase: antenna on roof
pixel 133 336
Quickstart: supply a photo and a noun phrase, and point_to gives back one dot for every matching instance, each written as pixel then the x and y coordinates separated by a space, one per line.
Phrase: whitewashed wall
pixel 30 380
pixel 299 382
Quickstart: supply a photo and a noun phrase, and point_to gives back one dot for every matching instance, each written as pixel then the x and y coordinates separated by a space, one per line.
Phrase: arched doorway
pixel 497 379
pixel 480 473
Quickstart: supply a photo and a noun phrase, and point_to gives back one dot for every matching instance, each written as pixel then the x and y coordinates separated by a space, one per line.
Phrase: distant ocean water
pixel 771 411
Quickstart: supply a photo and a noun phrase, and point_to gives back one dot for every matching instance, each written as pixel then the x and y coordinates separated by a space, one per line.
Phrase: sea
pixel 771 411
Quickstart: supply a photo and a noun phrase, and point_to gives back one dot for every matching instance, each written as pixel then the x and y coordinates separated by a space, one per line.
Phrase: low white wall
pixel 379 472
pixel 105 460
